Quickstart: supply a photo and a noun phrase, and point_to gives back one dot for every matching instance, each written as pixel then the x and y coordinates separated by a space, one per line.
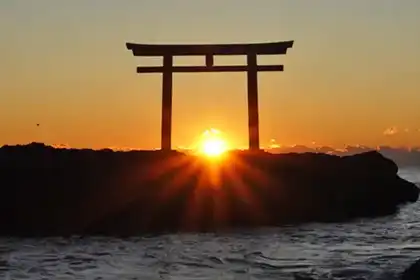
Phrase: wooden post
pixel 253 122
pixel 167 103
pixel 209 60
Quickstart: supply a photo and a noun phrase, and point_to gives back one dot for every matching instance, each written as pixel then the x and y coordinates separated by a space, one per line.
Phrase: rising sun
pixel 212 143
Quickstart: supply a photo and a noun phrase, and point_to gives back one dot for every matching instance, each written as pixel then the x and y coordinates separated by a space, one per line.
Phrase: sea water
pixel 366 249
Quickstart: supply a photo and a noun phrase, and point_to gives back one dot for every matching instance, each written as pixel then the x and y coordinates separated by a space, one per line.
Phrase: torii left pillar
pixel 166 133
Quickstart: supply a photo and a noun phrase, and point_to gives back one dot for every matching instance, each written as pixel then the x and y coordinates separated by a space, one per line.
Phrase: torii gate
pixel 209 51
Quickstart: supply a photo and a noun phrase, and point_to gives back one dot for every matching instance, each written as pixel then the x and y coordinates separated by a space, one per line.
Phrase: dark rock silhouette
pixel 404 157
pixel 49 191
pixel 413 272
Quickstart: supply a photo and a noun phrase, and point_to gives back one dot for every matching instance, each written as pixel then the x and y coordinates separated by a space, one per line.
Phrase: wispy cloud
pixel 61 146
pixel 273 144
pixel 391 131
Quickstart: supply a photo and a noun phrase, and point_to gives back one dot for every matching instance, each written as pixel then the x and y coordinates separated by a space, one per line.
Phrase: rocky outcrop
pixel 413 272
pixel 48 191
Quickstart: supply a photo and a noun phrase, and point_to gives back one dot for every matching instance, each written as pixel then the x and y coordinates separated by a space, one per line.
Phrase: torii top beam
pixel 206 50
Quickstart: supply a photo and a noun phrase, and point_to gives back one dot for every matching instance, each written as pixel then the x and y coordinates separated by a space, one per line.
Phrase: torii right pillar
pixel 253 116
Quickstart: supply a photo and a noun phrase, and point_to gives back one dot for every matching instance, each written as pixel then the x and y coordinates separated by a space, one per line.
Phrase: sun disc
pixel 213 147
pixel 212 144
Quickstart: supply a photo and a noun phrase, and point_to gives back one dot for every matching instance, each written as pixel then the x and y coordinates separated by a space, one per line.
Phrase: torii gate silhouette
pixel 209 51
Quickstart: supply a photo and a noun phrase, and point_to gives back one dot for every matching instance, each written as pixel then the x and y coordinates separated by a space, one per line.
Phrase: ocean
pixel 365 249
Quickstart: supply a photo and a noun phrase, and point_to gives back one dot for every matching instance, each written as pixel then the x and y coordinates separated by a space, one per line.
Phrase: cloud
pixel 391 131
pixel 61 146
pixel 273 144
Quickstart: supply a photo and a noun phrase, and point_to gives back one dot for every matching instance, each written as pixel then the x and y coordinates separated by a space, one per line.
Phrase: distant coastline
pixel 402 156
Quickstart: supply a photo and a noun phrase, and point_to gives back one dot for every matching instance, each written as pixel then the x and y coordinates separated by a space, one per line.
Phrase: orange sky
pixel 352 75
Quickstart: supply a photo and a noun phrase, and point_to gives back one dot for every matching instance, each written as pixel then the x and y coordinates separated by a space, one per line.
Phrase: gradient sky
pixel 352 77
